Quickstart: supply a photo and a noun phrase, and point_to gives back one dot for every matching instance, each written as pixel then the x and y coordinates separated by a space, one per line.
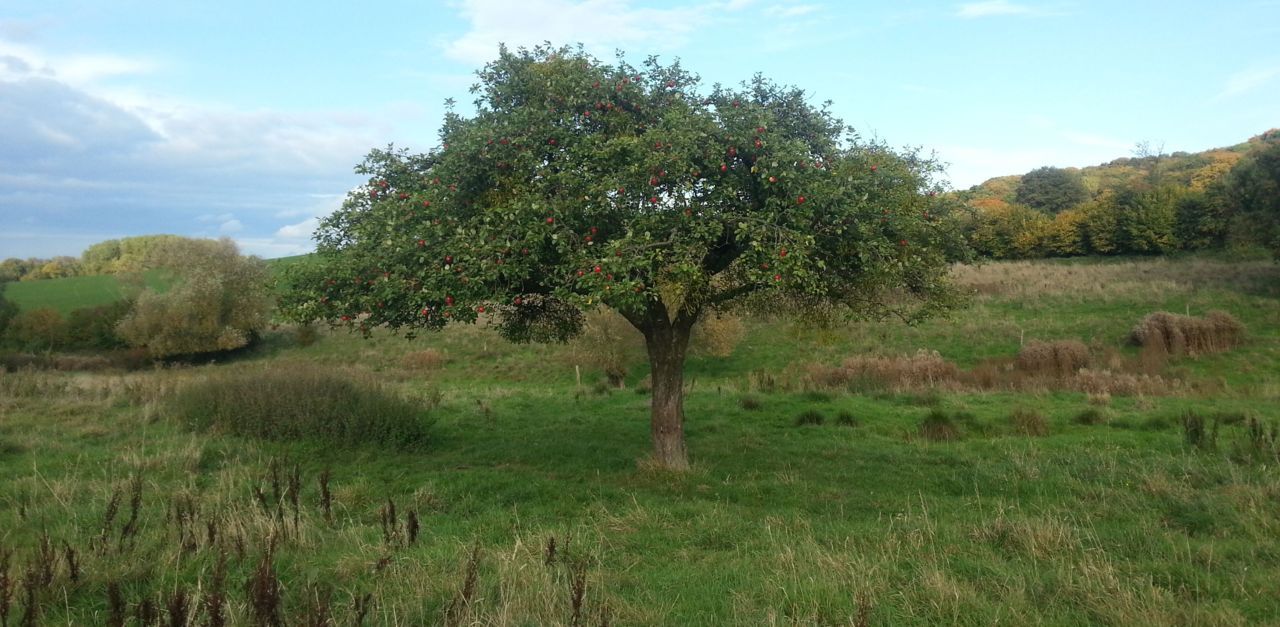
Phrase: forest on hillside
pixel 1151 203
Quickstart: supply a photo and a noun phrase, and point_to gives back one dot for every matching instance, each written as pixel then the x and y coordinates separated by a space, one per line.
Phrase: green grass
pixel 68 294
pixel 71 293
pixel 1118 522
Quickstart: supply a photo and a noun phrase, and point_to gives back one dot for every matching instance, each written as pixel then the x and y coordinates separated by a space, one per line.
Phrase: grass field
pixel 813 500
pixel 71 293
pixel 68 294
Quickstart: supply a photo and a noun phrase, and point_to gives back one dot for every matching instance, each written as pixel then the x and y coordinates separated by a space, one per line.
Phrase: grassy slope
pixel 1113 524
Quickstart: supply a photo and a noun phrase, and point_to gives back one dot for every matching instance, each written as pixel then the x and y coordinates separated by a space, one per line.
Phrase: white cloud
pixel 1246 81
pixel 301 230
pixel 792 10
pixel 155 163
pixel 602 26
pixel 989 8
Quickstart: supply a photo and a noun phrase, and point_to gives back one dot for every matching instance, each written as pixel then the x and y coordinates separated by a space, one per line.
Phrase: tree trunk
pixel 667 344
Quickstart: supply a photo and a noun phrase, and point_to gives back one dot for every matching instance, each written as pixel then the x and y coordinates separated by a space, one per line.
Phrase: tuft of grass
pixel 810 417
pixel 924 368
pixel 301 402
pixel 938 426
pixel 1061 358
pixel 1091 416
pixel 751 403
pixel 846 419
pixel 1187 335
pixel 1029 422
pixel 425 359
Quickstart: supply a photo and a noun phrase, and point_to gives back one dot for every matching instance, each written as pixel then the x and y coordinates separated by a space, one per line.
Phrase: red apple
pixel 777 277
pixel 759 129
pixel 773 179
pixel 653 180
pixel 551 220
pixel 724 168
pixel 480 309
pixel 800 200
pixel 517 301
pixel 448 259
pixel 448 301
pixel 653 199
pixel 597 270
pixel 421 243
pixel 782 253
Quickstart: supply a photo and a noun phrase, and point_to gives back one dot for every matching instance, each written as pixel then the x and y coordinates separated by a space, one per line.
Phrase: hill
pixel 1193 170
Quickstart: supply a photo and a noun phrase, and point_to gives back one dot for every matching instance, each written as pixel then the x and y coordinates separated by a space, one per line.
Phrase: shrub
pixel 37 330
pixel 717 335
pixel 1187 335
pixel 810 417
pixel 1029 422
pixel 219 301
pixel 939 427
pixel 301 401
pixel 95 327
pixel 1060 358
pixel 609 342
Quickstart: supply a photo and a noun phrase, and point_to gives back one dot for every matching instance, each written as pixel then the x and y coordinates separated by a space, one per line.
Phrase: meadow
pixel 71 293
pixel 856 473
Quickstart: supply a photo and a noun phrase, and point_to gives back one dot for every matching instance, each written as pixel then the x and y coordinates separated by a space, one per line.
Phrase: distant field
pixel 67 295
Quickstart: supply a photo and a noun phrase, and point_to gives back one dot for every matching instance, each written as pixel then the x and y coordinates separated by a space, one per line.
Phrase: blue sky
pixel 245 118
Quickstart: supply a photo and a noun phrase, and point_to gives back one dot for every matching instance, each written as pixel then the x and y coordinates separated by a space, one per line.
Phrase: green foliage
pixel 577 184
pixel 1145 220
pixel 1253 189
pixel 7 312
pixel 1051 189
pixel 302 402
pixel 95 327
pixel 1009 232
pixel 219 300
pixel 129 254
pixel 36 330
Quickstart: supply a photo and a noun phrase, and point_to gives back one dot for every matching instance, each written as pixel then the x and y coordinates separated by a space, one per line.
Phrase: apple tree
pixel 577 184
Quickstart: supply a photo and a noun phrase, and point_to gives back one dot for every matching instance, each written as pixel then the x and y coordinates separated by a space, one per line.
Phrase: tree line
pixel 1151 204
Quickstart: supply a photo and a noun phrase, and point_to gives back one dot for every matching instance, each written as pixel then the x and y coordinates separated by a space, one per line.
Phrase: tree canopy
pixel 1051 189
pixel 578 184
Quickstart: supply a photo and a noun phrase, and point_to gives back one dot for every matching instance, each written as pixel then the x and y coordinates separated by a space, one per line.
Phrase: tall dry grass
pixel 1179 335
pixel 1156 278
